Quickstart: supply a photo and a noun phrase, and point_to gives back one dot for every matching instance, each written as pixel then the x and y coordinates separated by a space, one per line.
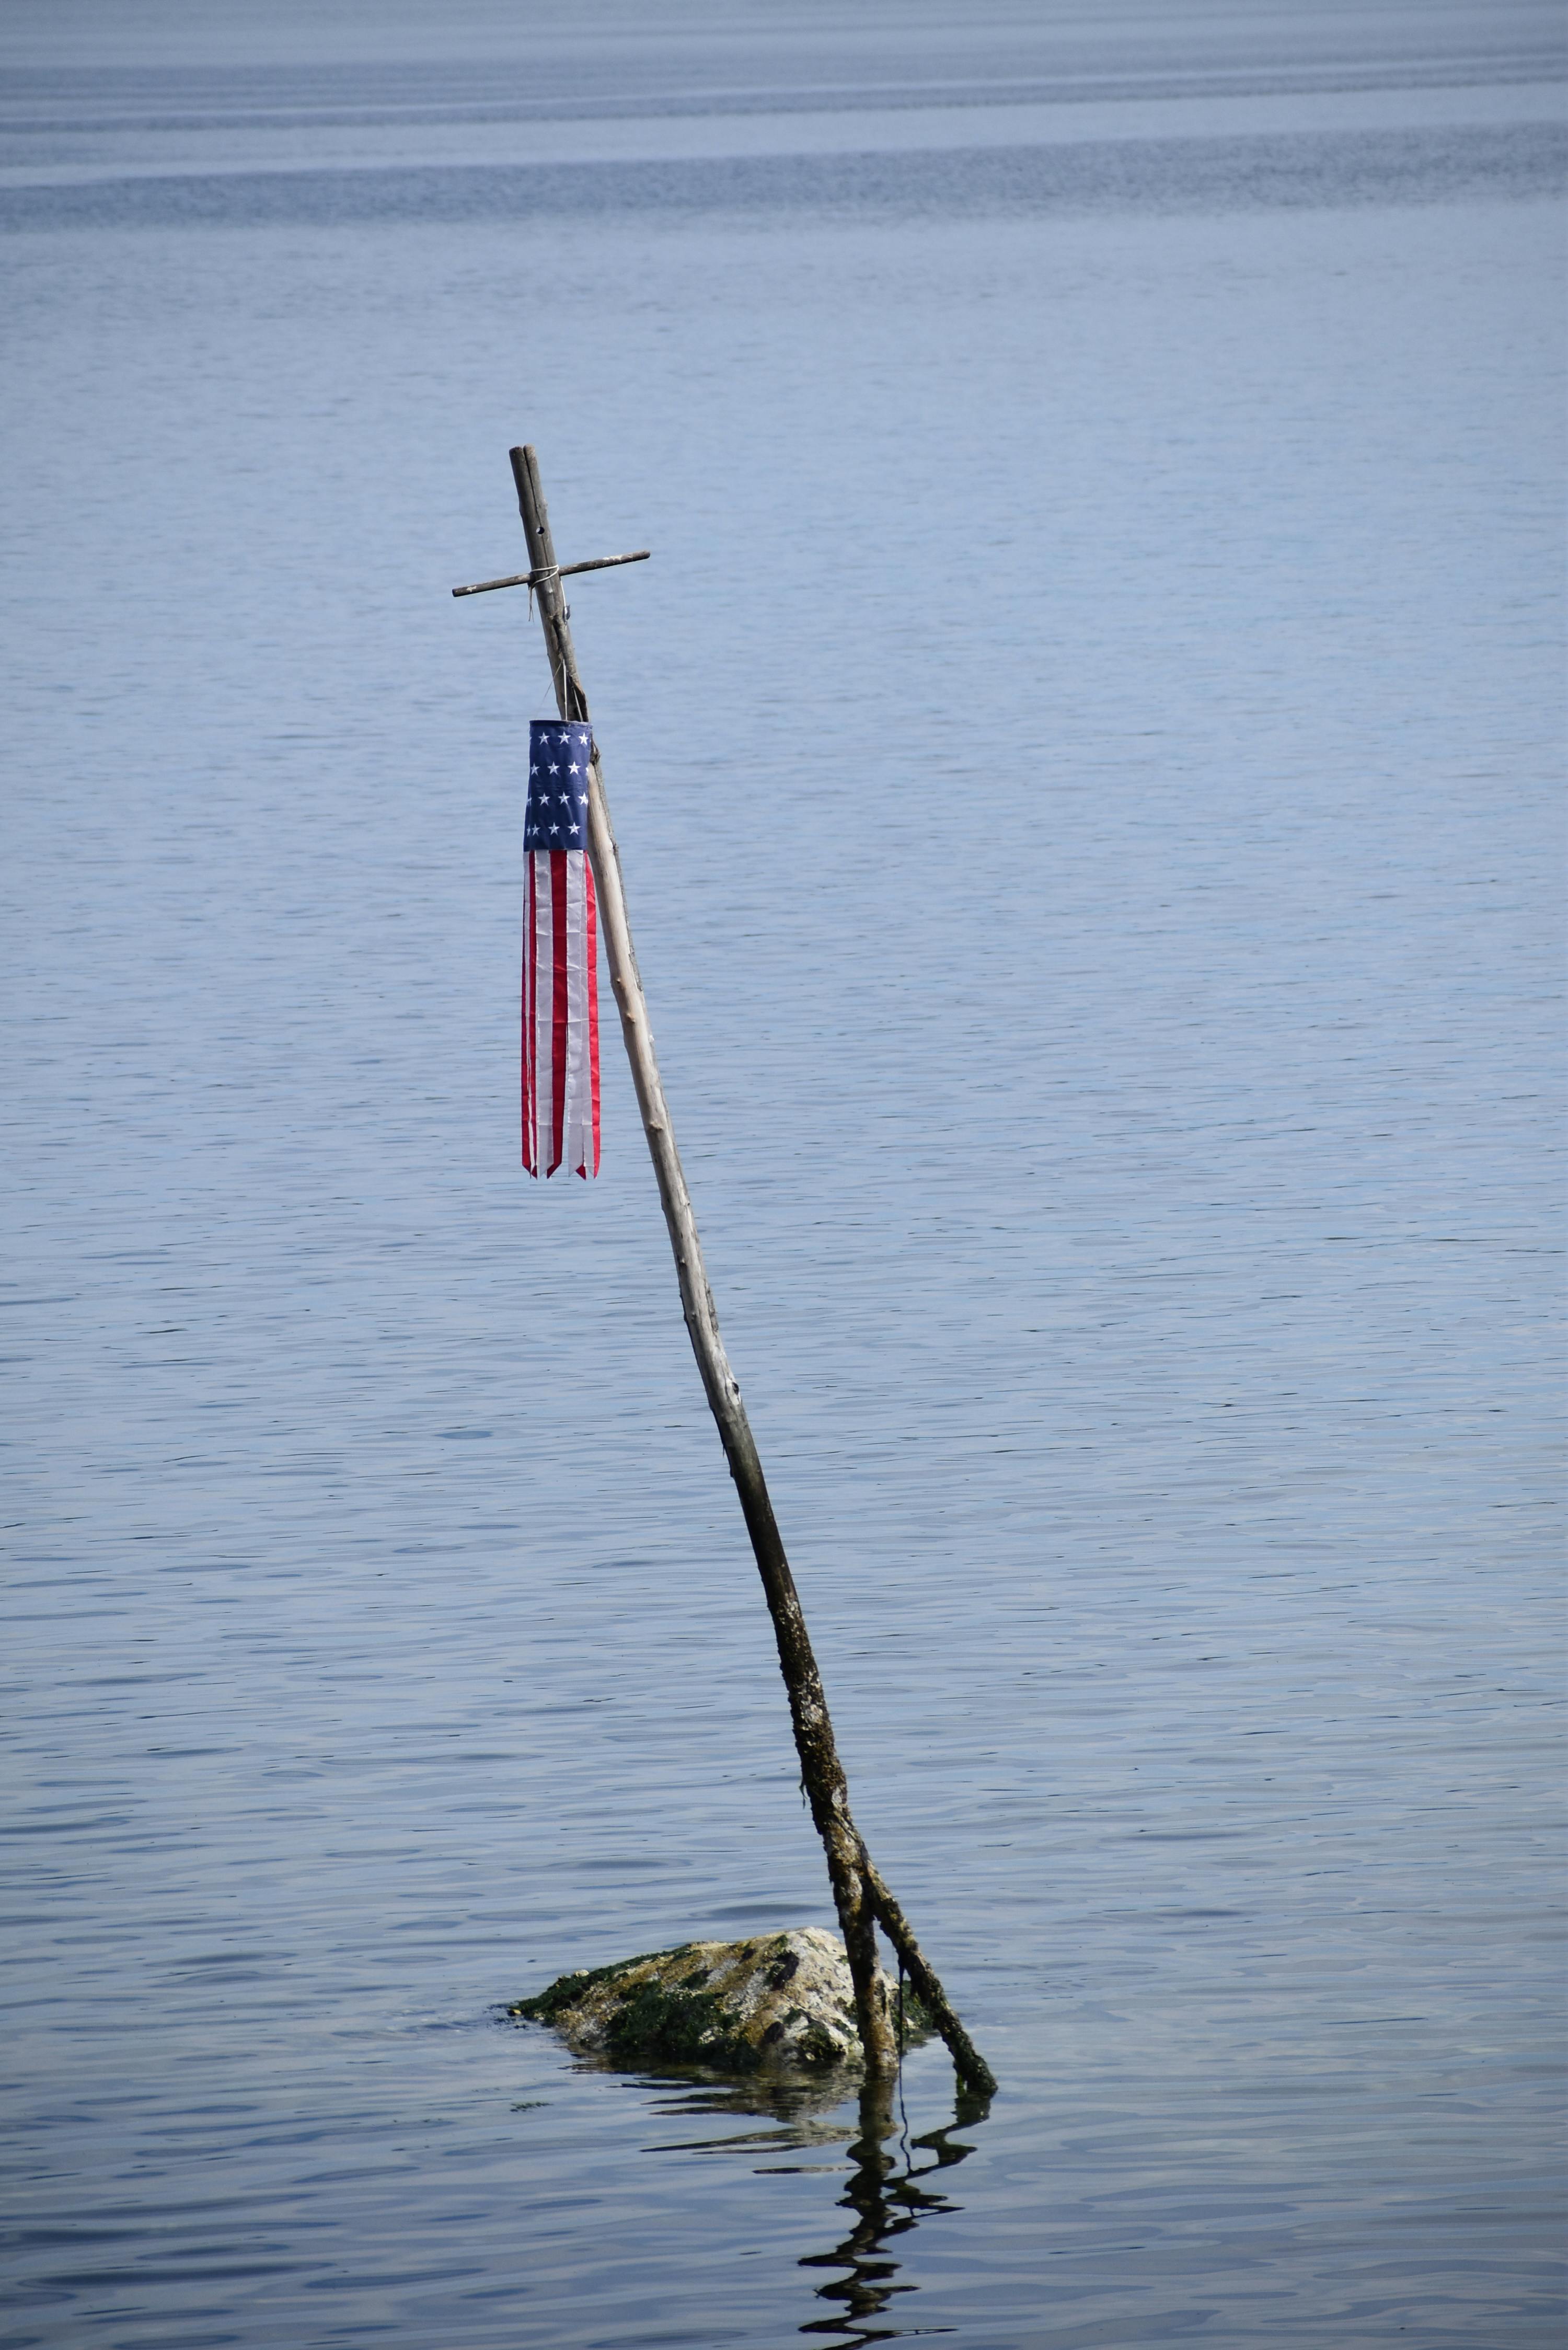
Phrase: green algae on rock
pixel 779 2000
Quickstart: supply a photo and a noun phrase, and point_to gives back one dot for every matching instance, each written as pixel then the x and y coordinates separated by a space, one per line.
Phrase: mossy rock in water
pixel 778 2001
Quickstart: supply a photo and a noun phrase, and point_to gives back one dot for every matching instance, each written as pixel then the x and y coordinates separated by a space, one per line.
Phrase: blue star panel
pixel 559 750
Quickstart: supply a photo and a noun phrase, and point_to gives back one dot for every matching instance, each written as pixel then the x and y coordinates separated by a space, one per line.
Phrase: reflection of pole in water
pixel 887 2202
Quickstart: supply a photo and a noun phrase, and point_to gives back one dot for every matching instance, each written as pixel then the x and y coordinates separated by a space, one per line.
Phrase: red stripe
pixel 591 941
pixel 559 1008
pixel 530 1158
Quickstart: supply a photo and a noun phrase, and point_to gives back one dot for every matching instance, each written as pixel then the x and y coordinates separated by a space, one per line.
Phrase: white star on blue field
pixel 559 752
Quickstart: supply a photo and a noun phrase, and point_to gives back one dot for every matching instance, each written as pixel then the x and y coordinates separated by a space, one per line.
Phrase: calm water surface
pixel 1086 753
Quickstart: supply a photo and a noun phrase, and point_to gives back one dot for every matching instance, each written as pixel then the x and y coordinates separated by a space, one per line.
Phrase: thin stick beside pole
pixel 859 1894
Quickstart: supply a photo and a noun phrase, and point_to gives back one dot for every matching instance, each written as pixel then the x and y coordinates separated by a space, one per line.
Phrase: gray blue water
pixel 1132 1210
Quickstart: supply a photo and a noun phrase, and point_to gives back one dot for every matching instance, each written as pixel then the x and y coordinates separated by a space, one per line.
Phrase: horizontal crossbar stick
pixel 534 578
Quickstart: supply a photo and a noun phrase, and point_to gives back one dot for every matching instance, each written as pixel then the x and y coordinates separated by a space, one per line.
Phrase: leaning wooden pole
pixel 861 1897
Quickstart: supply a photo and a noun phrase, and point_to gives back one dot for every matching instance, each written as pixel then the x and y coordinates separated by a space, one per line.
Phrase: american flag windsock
pixel 560 962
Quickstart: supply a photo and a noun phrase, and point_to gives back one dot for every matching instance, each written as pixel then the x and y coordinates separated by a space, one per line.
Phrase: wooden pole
pixel 858 1893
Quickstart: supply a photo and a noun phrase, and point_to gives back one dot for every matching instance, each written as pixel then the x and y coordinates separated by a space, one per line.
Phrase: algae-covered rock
pixel 784 1999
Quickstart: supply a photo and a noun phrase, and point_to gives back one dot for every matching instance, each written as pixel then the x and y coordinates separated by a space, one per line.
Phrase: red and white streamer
pixel 560 1013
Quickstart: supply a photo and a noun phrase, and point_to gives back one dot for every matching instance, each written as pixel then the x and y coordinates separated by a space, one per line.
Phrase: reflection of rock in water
pixel 887 2193
pixel 806 2109
pixel 801 2109
pixel 779 2001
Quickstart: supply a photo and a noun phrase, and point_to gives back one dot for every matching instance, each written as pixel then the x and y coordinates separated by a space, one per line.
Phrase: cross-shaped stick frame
pixel 861 1894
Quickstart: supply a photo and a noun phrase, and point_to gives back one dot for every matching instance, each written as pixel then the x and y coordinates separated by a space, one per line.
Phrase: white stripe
pixel 543 1006
pixel 527 1009
pixel 578 1128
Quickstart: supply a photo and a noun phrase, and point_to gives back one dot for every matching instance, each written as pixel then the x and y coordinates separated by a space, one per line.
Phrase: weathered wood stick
pixel 568 571
pixel 822 1774
pixel 972 2069
pixel 855 1887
